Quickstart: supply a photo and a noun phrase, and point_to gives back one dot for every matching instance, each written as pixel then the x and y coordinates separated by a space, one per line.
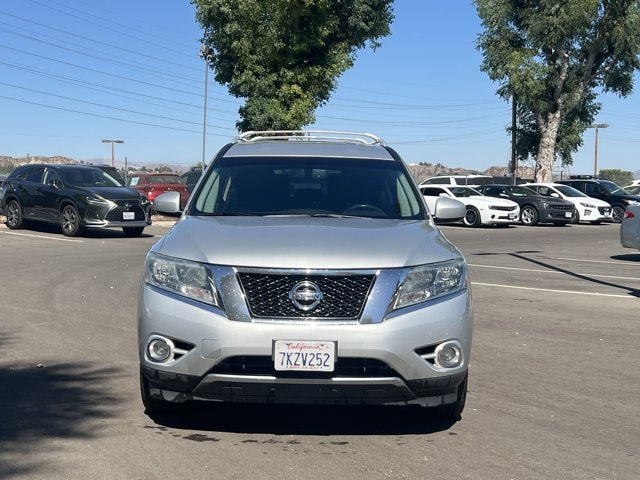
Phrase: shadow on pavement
pixel 627 257
pixel 302 420
pixel 41 403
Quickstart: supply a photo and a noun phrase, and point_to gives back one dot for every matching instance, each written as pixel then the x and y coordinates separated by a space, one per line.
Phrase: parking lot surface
pixel 553 390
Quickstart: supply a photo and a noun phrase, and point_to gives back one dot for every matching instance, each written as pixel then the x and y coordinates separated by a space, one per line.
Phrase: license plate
pixel 512 216
pixel 128 215
pixel 568 214
pixel 293 355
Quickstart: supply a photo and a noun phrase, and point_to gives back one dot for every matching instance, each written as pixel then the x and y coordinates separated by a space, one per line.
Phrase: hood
pixel 493 201
pixel 306 242
pixel 113 193
pixel 593 201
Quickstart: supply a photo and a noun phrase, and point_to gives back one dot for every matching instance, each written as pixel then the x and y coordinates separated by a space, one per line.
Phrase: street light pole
pixel 596 126
pixel 113 163
pixel 206 53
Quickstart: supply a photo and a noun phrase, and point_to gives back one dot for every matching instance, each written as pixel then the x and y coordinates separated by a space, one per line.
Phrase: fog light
pixel 160 349
pixel 449 354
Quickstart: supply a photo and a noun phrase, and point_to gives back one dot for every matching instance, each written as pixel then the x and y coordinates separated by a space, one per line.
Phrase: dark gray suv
pixel 306 268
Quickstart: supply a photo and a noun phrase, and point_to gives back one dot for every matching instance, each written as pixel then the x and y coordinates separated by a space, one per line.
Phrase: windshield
pixel 464 191
pixel 307 186
pixel 613 187
pixel 568 191
pixel 88 177
pixel 519 191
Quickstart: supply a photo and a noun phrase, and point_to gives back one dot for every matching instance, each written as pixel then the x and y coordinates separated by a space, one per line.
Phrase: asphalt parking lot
pixel 553 389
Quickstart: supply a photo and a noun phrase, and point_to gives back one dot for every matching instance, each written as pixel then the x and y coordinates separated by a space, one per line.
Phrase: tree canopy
pixel 554 58
pixel 283 57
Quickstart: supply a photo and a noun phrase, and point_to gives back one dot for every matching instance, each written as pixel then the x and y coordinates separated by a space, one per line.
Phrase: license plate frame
pixel 568 214
pixel 304 355
pixel 128 216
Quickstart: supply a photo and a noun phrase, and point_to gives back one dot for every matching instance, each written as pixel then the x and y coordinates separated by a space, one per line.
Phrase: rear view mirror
pixel 168 202
pixel 449 209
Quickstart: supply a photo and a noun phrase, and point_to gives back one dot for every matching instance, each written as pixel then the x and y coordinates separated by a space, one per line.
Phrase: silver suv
pixel 306 268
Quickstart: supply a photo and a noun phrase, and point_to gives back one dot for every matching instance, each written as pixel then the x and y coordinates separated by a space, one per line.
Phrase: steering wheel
pixel 365 206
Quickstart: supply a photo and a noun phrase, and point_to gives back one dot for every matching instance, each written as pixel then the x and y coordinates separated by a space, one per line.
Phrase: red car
pixel 153 184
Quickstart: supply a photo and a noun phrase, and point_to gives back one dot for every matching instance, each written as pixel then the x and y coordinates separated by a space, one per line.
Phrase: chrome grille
pixel 268 295
pixel 115 214
pixel 561 207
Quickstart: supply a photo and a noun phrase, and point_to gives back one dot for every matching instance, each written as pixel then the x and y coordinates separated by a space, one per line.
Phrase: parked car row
pixel 570 201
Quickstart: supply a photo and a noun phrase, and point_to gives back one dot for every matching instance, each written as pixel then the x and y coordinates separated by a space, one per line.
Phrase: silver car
pixel 307 269
pixel 630 227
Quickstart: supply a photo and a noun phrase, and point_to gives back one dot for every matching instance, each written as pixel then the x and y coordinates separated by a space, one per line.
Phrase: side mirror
pixel 449 209
pixel 168 202
pixel 554 194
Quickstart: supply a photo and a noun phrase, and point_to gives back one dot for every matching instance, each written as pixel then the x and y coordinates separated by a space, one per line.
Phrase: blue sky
pixel 73 73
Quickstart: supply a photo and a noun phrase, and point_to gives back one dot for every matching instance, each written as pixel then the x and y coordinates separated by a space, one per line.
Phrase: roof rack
pixel 309 136
pixel 583 177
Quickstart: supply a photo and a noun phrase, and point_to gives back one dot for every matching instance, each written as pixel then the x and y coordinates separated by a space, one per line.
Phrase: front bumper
pixel 225 360
pixel 98 216
pixel 556 215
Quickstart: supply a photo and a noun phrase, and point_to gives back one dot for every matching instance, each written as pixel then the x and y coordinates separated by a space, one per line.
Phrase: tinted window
pixel 464 191
pixel 432 192
pixel 307 185
pixel 439 180
pixel 164 179
pixel 87 177
pixel 34 175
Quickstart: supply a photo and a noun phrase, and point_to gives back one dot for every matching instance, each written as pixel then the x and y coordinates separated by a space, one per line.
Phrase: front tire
pixel 617 214
pixel 14 215
pixel 70 221
pixel 472 217
pixel 529 215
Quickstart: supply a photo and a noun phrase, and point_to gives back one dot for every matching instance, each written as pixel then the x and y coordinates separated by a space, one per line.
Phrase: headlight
pixel 189 279
pixel 96 200
pixel 587 205
pixel 144 201
pixel 428 282
pixel 631 202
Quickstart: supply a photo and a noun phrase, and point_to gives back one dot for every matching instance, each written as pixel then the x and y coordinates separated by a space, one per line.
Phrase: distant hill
pixel 7 164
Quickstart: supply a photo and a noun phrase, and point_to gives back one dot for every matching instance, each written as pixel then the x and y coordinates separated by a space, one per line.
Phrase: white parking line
pixel 594 294
pixel 45 237
pixel 552 271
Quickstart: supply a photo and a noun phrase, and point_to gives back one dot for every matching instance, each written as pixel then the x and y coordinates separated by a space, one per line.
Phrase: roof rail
pixel 309 136
pixel 583 177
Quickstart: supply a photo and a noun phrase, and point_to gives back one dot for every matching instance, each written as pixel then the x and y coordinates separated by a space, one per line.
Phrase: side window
pixel 440 180
pixel 35 175
pixel 432 192
pixel 591 188
pixel 51 177
pixel 543 191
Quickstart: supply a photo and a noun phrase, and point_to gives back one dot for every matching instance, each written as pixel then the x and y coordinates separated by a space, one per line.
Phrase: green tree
pixel 555 56
pixel 284 56
pixel 621 177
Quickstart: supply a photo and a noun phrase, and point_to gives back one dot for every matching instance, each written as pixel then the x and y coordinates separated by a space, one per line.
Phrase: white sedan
pixel 480 209
pixel 589 209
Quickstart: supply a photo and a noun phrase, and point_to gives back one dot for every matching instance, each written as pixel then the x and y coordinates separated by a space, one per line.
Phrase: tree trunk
pixel 546 150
